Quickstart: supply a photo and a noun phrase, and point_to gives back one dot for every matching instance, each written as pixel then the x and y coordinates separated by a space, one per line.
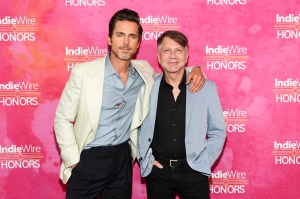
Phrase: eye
pixel 133 36
pixel 179 51
pixel 166 50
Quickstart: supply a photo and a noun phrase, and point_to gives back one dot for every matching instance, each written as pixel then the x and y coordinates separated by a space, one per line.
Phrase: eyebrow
pixel 125 33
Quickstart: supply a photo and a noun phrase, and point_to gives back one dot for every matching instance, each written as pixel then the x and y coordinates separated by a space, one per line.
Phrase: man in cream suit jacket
pixel 102 105
pixel 183 133
pixel 79 110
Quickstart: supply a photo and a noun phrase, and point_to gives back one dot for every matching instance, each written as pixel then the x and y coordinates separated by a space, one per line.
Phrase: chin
pixel 125 58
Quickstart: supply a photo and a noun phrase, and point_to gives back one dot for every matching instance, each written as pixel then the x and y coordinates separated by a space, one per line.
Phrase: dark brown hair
pixel 125 15
pixel 176 36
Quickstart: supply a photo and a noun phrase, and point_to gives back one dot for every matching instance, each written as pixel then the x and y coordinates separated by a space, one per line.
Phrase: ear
pixel 187 56
pixel 109 41
pixel 158 57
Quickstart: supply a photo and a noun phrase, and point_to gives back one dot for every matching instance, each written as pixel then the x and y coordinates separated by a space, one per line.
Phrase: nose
pixel 173 54
pixel 126 40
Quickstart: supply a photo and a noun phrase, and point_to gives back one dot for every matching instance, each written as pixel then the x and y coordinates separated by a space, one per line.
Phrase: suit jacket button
pixel 149 139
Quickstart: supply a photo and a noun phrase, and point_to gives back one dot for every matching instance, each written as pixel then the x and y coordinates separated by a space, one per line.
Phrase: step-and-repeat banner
pixel 249 48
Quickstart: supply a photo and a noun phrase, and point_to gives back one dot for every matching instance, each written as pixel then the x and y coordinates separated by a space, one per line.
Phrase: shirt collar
pixel 181 85
pixel 109 69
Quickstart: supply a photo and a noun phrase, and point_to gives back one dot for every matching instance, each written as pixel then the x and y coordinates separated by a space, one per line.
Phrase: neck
pixel 120 66
pixel 174 79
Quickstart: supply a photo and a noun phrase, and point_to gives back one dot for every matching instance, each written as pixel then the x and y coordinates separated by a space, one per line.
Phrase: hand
pixel 197 77
pixel 74 165
pixel 157 164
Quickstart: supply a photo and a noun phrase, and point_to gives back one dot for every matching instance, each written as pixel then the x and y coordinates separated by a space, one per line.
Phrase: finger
pixel 73 166
pixel 198 85
pixel 202 81
pixel 195 84
pixel 157 164
pixel 188 79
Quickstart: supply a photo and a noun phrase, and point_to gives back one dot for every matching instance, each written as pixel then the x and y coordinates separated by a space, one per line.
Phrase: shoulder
pixel 209 87
pixel 90 64
pixel 209 82
pixel 144 65
pixel 89 67
pixel 158 77
pixel 141 62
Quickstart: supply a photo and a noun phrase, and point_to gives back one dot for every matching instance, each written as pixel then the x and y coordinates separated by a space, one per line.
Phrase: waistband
pixel 110 147
pixel 170 162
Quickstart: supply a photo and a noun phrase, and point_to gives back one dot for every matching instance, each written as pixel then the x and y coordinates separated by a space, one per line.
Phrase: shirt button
pixel 149 139
pixel 174 140
pixel 174 124
pixel 174 109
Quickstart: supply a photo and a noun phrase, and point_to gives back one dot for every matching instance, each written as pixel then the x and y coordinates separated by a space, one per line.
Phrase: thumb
pixel 157 164
pixel 188 80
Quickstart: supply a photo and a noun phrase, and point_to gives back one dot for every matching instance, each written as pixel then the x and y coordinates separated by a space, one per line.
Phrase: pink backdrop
pixel 249 48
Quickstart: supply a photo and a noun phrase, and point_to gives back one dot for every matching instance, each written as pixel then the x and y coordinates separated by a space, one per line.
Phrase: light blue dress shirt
pixel 118 106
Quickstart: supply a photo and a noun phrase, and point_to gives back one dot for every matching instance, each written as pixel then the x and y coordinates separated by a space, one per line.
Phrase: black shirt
pixel 169 131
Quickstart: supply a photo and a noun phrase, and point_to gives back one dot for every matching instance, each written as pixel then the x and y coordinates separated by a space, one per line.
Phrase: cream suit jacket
pixel 79 109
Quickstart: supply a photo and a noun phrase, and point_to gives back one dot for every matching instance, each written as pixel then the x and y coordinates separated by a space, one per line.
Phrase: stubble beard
pixel 123 56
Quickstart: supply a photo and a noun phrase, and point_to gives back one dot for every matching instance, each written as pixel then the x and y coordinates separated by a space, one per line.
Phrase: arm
pixel 64 120
pixel 197 77
pixel 144 154
pixel 216 127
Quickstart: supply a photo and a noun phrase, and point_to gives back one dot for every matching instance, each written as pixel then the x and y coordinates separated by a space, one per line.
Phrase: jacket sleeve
pixel 65 117
pixel 216 127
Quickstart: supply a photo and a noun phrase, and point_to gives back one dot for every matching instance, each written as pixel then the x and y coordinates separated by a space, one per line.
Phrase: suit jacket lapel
pixel 94 91
pixel 142 105
pixel 190 99
pixel 148 79
pixel 154 100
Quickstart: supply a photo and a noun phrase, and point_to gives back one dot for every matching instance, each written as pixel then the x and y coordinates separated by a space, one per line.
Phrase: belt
pixel 170 162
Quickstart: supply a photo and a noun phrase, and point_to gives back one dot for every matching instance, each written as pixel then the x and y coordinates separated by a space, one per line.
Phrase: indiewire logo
pixel 20 28
pixel 154 26
pixel 23 156
pixel 226 2
pixel 80 54
pixel 287 152
pixel 287 91
pixel 19 94
pixel 235 120
pixel 228 182
pixel 84 3
pixel 287 27
pixel 226 58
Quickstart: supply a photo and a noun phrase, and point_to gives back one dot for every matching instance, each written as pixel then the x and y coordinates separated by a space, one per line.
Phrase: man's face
pixel 171 56
pixel 124 41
